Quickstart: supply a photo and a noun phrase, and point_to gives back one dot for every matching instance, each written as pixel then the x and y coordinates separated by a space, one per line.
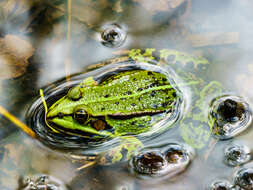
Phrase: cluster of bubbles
pixel 231 115
pixel 163 160
pixel 41 182
pixel 243 180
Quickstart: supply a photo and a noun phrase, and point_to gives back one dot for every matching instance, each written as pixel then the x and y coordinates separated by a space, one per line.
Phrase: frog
pixel 122 104
pixel 115 107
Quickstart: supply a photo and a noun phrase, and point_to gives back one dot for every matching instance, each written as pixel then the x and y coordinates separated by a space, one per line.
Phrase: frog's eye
pixel 75 93
pixel 81 116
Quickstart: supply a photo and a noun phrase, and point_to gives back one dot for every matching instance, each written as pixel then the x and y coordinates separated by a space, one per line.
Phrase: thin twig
pixel 67 59
pixel 17 122
pixel 87 165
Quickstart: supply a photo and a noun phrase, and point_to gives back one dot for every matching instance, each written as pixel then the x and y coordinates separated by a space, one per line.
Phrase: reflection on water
pixel 65 40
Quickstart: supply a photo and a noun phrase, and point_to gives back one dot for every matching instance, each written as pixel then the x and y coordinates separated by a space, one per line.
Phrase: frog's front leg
pixel 127 147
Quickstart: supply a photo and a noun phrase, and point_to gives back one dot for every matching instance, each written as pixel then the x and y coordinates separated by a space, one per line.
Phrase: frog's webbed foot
pixel 196 128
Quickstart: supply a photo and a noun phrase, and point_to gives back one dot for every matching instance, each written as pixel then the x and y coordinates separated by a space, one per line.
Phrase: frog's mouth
pixel 67 124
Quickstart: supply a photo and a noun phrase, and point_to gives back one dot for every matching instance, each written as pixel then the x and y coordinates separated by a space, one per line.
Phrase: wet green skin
pixel 111 98
pixel 135 94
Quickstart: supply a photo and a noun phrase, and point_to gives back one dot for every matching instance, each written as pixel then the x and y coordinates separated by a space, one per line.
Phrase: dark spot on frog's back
pixel 164 79
pixel 129 92
pixel 174 94
pixel 106 96
pixel 165 104
pixel 133 104
pixel 153 93
pixel 139 89
pixel 117 103
pixel 150 73
pixel 155 106
pixel 154 84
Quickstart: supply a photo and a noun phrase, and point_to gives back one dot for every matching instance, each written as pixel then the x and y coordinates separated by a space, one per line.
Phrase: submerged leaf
pixel 14 55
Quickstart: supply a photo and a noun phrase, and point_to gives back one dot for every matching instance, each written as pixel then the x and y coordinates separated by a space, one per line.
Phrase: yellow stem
pixel 17 122
pixel 67 59
pixel 46 110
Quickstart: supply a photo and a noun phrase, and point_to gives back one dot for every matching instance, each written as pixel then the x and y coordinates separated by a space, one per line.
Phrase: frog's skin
pixel 111 100
pixel 120 105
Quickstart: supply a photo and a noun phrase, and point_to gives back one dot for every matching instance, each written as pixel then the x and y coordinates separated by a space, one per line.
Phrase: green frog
pixel 122 104
pixel 131 102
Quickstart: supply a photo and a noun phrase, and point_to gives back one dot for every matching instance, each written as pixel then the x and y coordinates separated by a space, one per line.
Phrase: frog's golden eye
pixel 81 116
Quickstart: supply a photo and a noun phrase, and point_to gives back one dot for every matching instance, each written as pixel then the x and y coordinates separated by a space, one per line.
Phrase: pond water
pixel 46 41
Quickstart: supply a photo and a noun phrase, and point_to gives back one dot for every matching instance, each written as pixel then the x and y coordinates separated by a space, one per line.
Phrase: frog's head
pixel 68 105
pixel 71 115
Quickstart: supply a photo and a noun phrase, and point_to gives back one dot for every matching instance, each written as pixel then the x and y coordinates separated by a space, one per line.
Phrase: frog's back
pixel 131 92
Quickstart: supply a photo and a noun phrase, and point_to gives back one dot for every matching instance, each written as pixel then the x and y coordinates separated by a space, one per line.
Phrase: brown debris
pixel 14 55
pixel 213 39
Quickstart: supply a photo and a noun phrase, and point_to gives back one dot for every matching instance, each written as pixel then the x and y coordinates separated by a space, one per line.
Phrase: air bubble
pixel 177 154
pixel 41 182
pixel 229 115
pixel 221 185
pixel 163 160
pixel 244 178
pixel 112 35
pixel 236 155
pixel 149 163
